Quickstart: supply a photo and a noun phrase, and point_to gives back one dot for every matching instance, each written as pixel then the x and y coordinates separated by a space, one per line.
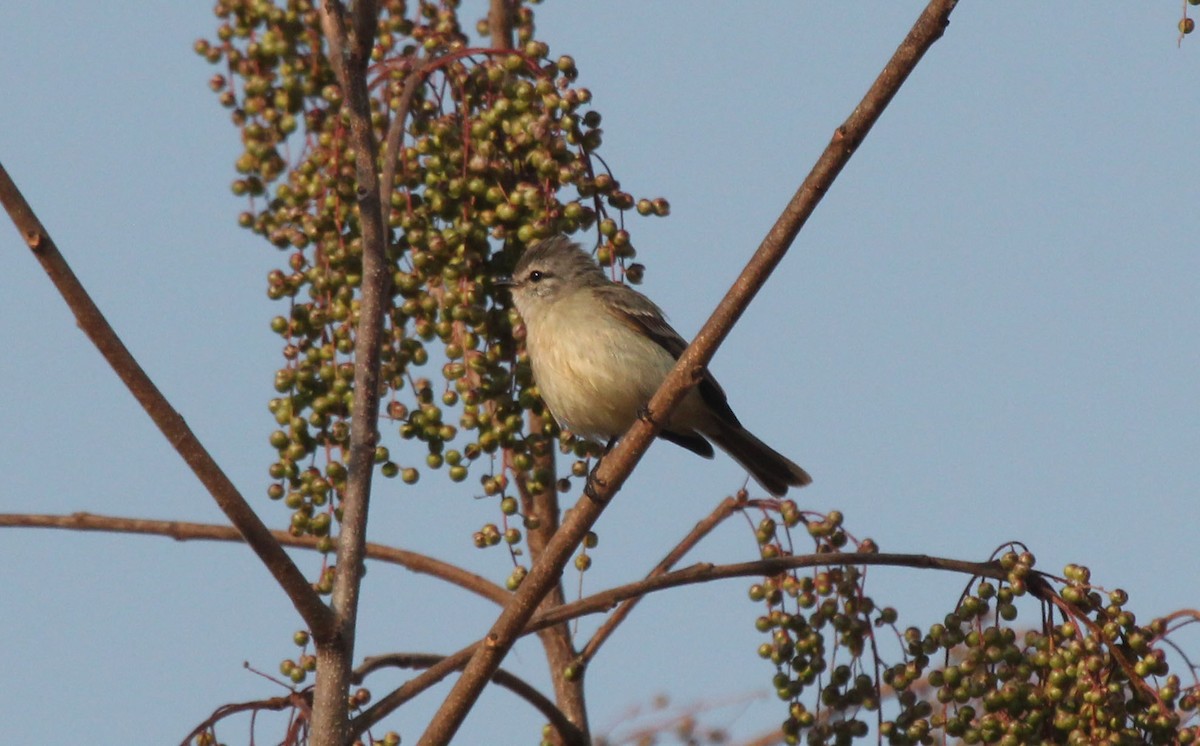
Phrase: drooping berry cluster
pixel 497 149
pixel 1093 676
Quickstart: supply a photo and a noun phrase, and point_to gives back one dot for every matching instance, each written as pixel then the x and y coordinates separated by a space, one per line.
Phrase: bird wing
pixel 642 315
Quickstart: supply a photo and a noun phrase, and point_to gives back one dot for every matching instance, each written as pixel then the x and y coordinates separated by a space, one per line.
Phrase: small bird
pixel 599 350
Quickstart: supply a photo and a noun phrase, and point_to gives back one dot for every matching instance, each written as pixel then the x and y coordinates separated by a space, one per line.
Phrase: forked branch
pixel 567 731
pixel 726 508
pixel 703 572
pixel 349 55
pixel 173 427
pixel 617 465
pixel 188 531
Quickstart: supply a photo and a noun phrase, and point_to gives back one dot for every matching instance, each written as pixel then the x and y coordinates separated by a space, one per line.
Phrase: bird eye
pixel 535 276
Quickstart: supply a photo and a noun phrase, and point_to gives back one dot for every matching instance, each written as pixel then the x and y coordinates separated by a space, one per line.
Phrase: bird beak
pixel 504 281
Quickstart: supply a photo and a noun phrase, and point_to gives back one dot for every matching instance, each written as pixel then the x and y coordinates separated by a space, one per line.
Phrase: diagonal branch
pixel 570 734
pixel 617 465
pixel 411 688
pixel 703 572
pixel 291 701
pixel 187 531
pixel 315 613
pixel 542 507
pixel 726 508
pixel 706 572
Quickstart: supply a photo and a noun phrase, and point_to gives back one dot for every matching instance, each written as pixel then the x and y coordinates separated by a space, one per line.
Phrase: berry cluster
pixel 1094 676
pixel 486 150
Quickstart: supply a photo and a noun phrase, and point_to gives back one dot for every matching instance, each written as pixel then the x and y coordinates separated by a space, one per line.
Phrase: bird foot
pixel 594 481
pixel 645 415
pixel 590 488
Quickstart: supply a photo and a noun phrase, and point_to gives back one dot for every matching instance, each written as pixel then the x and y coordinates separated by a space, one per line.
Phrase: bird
pixel 599 350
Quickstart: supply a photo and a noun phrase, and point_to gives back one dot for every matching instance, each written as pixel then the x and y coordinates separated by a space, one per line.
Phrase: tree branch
pixel 187 531
pixel 543 506
pixel 725 509
pixel 570 734
pixel 330 719
pixel 369 331
pixel 364 17
pixel 698 573
pixel 293 700
pixel 500 30
pixel 705 572
pixel 616 466
pixel 411 688
pixel 313 611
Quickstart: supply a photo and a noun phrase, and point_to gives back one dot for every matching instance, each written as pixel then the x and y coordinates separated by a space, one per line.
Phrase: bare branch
pixel 411 688
pixel 543 507
pixel 500 30
pixel 395 137
pixel 187 531
pixel 330 719
pixel 706 572
pixel 540 581
pixel 312 609
pixel 725 509
pixel 569 733
pixel 698 573
pixel 294 700
pixel 364 18
pixel 616 466
pixel 369 332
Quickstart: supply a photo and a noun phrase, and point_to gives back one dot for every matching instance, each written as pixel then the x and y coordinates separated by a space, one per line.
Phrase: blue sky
pixel 989 330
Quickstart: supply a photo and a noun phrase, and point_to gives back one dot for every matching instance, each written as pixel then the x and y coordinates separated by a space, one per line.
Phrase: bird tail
pixel 774 471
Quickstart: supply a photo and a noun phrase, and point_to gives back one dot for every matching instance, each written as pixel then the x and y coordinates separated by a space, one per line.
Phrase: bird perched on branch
pixel 599 350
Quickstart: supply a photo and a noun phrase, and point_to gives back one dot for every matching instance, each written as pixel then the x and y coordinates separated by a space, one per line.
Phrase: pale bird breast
pixel 594 372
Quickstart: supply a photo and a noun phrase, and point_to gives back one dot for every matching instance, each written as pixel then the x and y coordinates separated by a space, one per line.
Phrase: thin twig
pixel 395 136
pixel 681 720
pixel 617 465
pixel 294 700
pixel 570 734
pixel 706 572
pixel 411 688
pixel 1137 682
pixel 698 573
pixel 725 509
pixel 315 613
pixel 188 531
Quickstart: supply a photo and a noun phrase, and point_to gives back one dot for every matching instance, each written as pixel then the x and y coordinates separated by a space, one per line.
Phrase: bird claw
pixel 594 481
pixel 589 488
pixel 645 415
